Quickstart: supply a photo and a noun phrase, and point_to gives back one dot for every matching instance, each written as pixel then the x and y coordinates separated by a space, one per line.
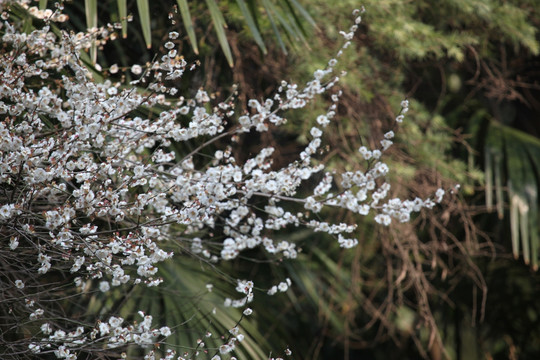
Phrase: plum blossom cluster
pixel 94 189
pixel 66 345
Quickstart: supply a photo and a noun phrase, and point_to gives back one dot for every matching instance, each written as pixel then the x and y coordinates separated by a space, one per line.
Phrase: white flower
pixel 383 219
pixel 318 74
pixel 439 195
pixel 273 290
pixel 46 328
pixel 367 154
pixel 104 328
pixel 104 286
pixel 36 314
pixel 35 348
pixel 315 132
pixel 115 321
pixel 323 120
pixel 346 243
pixel 138 171
pixel 386 144
pixel 248 311
pixel 19 284
pixel 13 243
pixel 202 97
pixel 6 211
pixel 165 331
pixel 136 69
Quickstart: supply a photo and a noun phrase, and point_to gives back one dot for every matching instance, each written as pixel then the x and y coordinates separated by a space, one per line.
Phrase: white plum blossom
pixel 136 69
pixel 247 312
pixel 439 195
pixel 46 328
pixel 165 331
pixel 98 192
pixel 104 286
pixel 36 314
pixel 13 242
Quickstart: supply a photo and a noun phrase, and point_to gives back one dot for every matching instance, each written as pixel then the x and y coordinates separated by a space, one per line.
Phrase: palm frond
pixel 285 18
pixel 220 25
pixel 91 9
pixel 513 160
pixel 194 314
pixel 122 11
pixel 252 25
pixel 144 16
pixel 266 5
pixel 188 24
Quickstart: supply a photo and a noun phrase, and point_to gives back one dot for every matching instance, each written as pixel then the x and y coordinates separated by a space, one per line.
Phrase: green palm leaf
pixel 284 17
pixel 266 5
pixel 302 11
pixel 122 12
pixel 291 31
pixel 188 24
pixel 90 7
pixel 252 25
pixel 144 16
pixel 220 25
pixel 191 311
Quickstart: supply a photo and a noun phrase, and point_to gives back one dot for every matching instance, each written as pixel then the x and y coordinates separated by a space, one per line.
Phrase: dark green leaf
pixel 188 24
pixel 252 26
pixel 90 7
pixel 144 16
pixel 303 11
pixel 220 25
pixel 267 5
pixel 122 11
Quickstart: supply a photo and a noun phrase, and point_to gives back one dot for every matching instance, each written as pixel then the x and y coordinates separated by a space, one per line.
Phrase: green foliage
pixel 450 57
pixel 90 7
pixel 420 30
pixel 144 16
pixel 286 17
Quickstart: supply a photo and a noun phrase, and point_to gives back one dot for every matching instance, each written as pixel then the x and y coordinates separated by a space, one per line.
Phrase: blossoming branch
pixel 93 189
